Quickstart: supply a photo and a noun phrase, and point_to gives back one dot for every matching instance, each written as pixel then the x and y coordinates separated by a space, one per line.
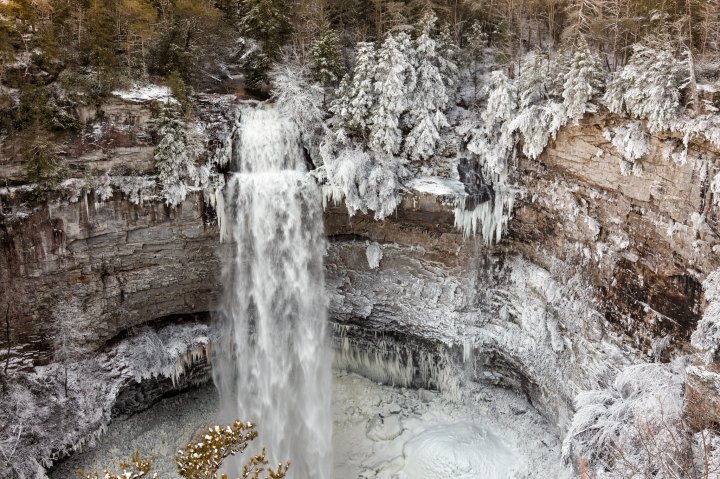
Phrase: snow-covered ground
pixel 380 432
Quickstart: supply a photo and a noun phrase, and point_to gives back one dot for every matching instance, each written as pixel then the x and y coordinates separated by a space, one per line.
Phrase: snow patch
pixel 146 93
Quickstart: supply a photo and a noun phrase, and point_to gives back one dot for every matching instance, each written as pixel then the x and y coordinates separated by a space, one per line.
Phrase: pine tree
pixel 394 80
pixel 429 98
pixel 267 22
pixel 649 86
pixel 173 158
pixel 583 81
pixel 356 97
pixel 327 58
pixel 449 55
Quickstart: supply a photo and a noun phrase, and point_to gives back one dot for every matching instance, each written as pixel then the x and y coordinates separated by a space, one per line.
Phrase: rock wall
pixel 645 242
pixel 597 269
pixel 119 264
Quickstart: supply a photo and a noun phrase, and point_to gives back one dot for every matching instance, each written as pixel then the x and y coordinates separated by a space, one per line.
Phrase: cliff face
pixel 121 264
pixel 598 267
pixel 645 242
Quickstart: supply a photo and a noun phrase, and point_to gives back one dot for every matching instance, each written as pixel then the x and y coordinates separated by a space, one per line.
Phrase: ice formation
pixel 374 255
pixel 36 411
pixel 489 218
pixel 273 365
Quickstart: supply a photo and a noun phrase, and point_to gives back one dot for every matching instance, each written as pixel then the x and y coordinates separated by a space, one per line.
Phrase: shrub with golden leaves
pixel 137 468
pixel 202 459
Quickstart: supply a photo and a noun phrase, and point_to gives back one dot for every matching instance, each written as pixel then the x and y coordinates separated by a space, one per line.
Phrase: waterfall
pixel 273 366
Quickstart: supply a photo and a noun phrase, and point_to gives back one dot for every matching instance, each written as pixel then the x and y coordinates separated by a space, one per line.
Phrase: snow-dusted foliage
pixel 392 108
pixel 537 124
pixel 175 159
pixel 300 99
pixel 583 81
pixel 365 180
pixel 649 87
pixel 430 98
pixel 296 96
pixel 707 335
pixel 635 427
pixel 395 78
pixel 39 422
pixel 632 143
pixel 356 95
pixel 492 140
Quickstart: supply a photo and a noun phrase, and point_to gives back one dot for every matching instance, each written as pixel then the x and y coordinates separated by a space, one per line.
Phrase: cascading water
pixel 273 366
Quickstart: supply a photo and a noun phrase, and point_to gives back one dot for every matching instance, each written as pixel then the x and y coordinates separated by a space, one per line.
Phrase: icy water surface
pixel 380 432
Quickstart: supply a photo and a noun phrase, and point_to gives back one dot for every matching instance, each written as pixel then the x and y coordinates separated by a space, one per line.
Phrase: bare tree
pixel 70 339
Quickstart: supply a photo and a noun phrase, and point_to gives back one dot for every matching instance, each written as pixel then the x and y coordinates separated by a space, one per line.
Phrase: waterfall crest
pixel 273 367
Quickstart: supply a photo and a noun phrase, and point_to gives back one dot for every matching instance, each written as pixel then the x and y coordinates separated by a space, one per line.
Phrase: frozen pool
pixel 380 432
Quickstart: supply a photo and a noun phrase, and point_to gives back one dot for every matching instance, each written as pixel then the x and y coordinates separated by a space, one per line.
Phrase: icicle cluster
pixel 390 362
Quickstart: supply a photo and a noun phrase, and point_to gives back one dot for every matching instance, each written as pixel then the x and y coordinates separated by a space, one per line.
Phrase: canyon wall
pixel 597 269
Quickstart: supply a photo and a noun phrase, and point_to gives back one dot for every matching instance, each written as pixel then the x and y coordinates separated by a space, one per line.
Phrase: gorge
pixel 431 253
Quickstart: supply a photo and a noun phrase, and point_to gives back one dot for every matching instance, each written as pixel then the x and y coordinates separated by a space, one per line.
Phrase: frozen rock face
pixel 600 269
pixel 645 242
pixel 120 264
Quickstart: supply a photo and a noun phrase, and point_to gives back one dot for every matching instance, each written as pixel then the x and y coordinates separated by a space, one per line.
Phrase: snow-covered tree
pixel 531 80
pixel 174 159
pixel 637 427
pixel 429 99
pixel 301 100
pixel 537 124
pixel 492 140
pixel 583 81
pixel 707 335
pixel 356 96
pixel 70 335
pixel 296 95
pixel 449 57
pixel 394 79
pixel 327 57
pixel 649 86
pixel 364 180
pixel 633 143
pixel 475 47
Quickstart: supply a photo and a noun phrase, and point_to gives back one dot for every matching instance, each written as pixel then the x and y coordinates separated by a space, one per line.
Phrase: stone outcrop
pixel 123 264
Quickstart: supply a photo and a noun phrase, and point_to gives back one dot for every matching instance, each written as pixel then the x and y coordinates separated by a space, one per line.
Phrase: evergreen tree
pixel 448 60
pixel 173 158
pixel 267 22
pixel 394 80
pixel 429 98
pixel 356 97
pixel 583 81
pixel 327 58
pixel 649 86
